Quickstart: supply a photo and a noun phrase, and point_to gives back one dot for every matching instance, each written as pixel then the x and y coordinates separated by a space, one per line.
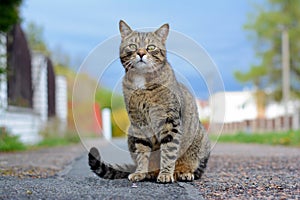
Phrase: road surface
pixel 234 171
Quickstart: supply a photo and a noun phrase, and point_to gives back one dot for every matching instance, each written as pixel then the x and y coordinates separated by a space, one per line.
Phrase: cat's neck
pixel 141 80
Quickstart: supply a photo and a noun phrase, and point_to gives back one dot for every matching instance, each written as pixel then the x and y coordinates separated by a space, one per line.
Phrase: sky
pixel 79 26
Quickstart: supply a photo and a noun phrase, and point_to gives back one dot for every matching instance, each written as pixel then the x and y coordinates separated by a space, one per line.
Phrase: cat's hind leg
pixel 184 169
pixel 192 163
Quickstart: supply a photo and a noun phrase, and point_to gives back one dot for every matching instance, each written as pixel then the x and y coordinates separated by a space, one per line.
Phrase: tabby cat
pixel 166 139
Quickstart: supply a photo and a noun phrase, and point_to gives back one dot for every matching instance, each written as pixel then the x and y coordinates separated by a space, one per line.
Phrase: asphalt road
pixel 234 171
pixel 78 182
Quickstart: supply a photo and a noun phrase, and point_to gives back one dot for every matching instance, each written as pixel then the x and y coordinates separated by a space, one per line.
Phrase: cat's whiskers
pixel 128 64
pixel 127 61
pixel 153 66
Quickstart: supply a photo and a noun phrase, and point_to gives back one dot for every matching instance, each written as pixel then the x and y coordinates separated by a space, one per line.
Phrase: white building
pixel 234 107
pixel 238 106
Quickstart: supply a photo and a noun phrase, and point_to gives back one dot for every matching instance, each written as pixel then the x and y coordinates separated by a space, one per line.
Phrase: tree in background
pixel 35 38
pixel 265 27
pixel 9 14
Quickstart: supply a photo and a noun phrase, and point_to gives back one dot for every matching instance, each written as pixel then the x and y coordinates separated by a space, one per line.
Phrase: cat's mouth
pixel 140 64
pixel 141 61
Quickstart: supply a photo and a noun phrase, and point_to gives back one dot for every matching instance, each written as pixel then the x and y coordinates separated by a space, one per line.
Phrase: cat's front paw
pixel 137 176
pixel 165 178
pixel 185 176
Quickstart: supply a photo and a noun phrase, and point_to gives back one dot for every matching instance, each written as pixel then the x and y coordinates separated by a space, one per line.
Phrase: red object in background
pixel 206 125
pixel 97 119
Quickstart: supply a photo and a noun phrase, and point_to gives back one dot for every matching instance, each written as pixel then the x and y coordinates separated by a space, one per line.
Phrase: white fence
pixel 3 84
pixel 26 122
pixel 22 122
pixel 39 83
pixel 61 98
pixel 263 125
pixel 61 101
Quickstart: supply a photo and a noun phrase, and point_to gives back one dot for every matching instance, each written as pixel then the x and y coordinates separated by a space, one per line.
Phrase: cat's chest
pixel 138 82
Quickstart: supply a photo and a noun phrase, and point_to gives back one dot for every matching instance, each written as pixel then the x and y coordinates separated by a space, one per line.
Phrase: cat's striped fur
pixel 166 139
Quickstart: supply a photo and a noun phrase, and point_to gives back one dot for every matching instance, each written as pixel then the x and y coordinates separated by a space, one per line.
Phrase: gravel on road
pixel 39 163
pixel 240 171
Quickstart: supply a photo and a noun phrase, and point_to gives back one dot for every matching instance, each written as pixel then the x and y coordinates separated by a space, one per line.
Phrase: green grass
pixel 52 142
pixel 10 142
pixel 58 141
pixel 52 138
pixel 289 138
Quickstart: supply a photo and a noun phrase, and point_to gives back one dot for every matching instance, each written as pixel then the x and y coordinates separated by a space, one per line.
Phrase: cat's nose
pixel 141 52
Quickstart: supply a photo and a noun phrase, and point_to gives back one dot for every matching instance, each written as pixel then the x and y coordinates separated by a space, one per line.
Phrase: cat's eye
pixel 133 47
pixel 151 47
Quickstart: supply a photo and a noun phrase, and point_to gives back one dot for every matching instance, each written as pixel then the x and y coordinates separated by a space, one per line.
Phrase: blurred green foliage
pixel 265 26
pixel 53 137
pixel 289 138
pixel 10 142
pixel 35 38
pixel 9 14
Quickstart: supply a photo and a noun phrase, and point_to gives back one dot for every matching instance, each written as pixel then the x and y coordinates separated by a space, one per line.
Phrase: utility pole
pixel 285 75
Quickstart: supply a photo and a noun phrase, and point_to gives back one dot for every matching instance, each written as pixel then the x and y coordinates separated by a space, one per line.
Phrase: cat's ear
pixel 163 32
pixel 125 30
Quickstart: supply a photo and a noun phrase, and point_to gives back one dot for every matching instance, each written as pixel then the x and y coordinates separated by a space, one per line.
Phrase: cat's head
pixel 143 51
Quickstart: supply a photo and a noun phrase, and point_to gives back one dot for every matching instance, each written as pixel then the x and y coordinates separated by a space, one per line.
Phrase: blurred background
pixel 254 43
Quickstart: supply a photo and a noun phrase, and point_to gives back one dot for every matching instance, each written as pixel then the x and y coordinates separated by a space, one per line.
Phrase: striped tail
pixel 108 171
pixel 201 168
